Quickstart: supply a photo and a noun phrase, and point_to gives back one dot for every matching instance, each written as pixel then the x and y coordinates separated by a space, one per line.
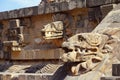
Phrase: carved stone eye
pixel 80 38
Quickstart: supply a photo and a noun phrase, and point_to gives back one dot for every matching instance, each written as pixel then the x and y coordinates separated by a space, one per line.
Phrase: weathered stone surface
pixel 53 30
pixel 109 21
pixel 15 78
pixel 22 77
pixel 106 9
pixel 31 11
pixel 117 7
pixel 81 3
pixel 14 23
pixel 1 17
pixel 5 77
pixel 31 77
pixel 72 4
pixel 4 15
pixel 45 8
pixel 116 70
pixel 41 8
pixel 36 54
pixel 55 8
pixel 103 42
pixel 35 77
pixel 63 6
pixel 21 12
pixel 13 14
pixel 92 3
pixel 110 78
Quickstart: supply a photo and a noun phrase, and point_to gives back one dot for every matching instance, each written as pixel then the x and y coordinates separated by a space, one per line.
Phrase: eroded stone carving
pixel 53 30
pixel 92 51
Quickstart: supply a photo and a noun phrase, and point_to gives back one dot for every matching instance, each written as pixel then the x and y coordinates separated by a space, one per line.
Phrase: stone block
pixel 81 3
pixel 92 3
pixel 63 6
pixel 13 14
pixel 1 55
pixel 21 12
pixel 116 69
pixel 116 7
pixel 41 8
pixel 14 23
pixel 35 77
pixel 105 9
pixel 15 78
pixel 55 7
pixel 31 11
pixel 1 17
pixel 31 77
pixel 1 26
pixel 22 77
pixel 5 77
pixel 37 54
pixel 110 78
pixel 4 15
pixel 72 4
pixel 0 76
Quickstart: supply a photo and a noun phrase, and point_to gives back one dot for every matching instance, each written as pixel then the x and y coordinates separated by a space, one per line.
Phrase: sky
pixel 6 5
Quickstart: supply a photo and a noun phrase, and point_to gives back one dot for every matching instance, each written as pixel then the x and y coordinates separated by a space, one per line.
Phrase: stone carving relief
pixel 53 30
pixel 92 52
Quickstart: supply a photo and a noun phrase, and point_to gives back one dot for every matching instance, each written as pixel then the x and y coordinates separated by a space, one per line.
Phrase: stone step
pixel 45 68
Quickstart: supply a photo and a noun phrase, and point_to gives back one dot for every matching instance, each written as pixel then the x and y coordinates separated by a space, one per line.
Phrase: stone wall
pixel 45 8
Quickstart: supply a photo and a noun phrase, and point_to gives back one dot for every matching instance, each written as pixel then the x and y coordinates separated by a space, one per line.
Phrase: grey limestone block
pixel 81 3
pixel 31 11
pixel 105 9
pixel 92 3
pixel 13 14
pixel 15 78
pixel 63 6
pixel 21 12
pixel 1 17
pixel 4 15
pixel 5 77
pixel 116 70
pixel 22 77
pixel 31 77
pixel 14 23
pixel 72 4
pixel 41 8
pixel 110 78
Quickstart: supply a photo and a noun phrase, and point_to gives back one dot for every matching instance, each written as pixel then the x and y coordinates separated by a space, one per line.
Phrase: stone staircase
pixel 30 72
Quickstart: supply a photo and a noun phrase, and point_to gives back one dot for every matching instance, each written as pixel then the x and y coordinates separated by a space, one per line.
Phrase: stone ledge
pixel 24 76
pixel 111 78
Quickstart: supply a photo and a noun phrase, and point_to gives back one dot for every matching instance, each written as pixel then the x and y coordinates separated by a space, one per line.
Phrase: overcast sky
pixel 16 4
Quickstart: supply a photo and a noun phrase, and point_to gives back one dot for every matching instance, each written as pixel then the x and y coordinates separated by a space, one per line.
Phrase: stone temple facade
pixel 32 39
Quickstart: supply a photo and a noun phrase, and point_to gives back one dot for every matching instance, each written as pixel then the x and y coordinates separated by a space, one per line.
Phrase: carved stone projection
pixel 53 30
pixel 14 36
pixel 92 52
